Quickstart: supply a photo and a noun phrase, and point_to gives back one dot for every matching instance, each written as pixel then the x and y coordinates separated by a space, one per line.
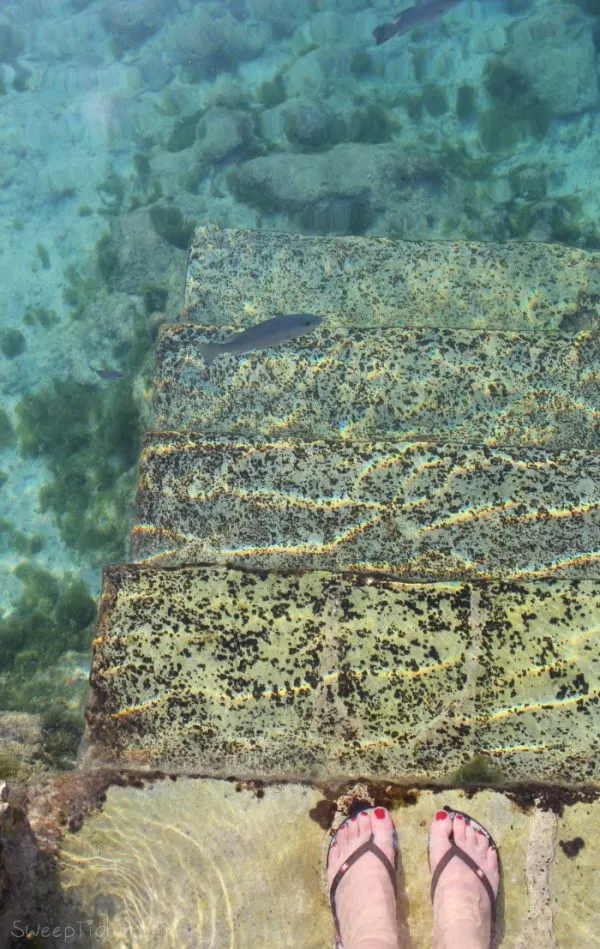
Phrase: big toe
pixel 384 832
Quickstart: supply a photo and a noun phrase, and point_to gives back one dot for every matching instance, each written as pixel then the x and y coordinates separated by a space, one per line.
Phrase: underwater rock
pixel 288 182
pixel 307 123
pixel 559 60
pixel 210 40
pixel 144 257
pixel 131 22
pixel 221 132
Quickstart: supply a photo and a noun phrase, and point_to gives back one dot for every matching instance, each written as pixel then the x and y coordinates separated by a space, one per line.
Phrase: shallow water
pixel 127 123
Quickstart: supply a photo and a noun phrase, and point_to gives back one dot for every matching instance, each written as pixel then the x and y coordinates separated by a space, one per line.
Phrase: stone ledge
pixel 316 675
pixel 247 276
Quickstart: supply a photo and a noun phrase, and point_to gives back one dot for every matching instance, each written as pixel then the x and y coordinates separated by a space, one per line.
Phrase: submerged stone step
pixel 420 511
pixel 445 385
pixel 316 675
pixel 246 276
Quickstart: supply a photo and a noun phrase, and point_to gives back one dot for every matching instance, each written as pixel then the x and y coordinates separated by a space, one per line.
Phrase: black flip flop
pixel 368 847
pixel 456 851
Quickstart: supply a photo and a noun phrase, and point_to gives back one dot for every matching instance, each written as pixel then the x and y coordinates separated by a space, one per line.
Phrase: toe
pixel 481 841
pixel 491 858
pixel 470 840
pixel 383 830
pixel 439 836
pixel 459 829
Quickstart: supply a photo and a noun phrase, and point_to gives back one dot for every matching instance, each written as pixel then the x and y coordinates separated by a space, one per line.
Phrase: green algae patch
pixel 7 432
pixel 169 223
pixel 12 343
pixel 480 769
pixel 107 258
pixel 517 112
pixel 183 134
pixel 89 440
pixel 434 100
pixel 465 103
pixel 40 316
pixel 51 616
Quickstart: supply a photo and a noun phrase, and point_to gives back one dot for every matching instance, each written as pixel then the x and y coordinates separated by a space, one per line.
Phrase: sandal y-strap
pixel 369 846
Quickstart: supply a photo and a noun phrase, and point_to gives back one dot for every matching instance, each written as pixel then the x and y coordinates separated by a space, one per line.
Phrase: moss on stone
pixel 480 769
pixel 169 223
pixel 434 99
pixel 7 432
pixel 44 256
pixel 89 439
pixel 62 731
pixel 527 183
pixel 155 297
pixel 142 166
pixel 12 343
pixel 40 316
pixel 271 93
pixel 35 624
pixel 112 192
pixel 517 112
pixel 183 133
pixel 465 103
pixel 361 63
pixel 370 124
pixel 107 258
pixel 497 133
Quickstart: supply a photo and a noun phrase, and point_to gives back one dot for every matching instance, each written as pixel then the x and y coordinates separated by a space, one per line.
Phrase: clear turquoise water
pixel 126 122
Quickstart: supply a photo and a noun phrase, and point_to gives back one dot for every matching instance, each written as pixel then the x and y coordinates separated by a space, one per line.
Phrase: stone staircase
pixel 373 551
pixel 365 564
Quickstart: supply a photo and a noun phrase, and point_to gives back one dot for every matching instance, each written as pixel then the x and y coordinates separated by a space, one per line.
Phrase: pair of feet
pixel 365 899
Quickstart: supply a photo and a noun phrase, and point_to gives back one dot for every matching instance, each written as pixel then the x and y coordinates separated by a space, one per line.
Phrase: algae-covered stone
pixel 461 386
pixel 421 512
pixel 321 675
pixel 525 287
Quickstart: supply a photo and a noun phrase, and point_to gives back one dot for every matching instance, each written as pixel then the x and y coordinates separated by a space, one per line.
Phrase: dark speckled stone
pixel 448 385
pixel 420 511
pixel 244 276
pixel 309 675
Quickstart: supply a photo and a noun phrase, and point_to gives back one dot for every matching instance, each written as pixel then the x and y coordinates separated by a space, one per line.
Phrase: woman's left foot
pixel 365 899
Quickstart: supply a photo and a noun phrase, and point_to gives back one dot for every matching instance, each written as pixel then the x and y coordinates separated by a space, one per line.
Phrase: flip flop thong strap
pixel 456 851
pixel 368 847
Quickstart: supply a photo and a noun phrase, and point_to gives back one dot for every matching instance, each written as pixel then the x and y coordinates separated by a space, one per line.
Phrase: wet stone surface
pixel 221 671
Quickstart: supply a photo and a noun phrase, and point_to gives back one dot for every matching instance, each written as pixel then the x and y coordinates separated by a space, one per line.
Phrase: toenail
pixel 481 833
pixel 363 814
pixel 379 813
pixel 458 817
pixel 441 815
pixel 353 817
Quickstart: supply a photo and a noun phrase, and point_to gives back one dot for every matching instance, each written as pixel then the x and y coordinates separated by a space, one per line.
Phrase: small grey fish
pixel 424 12
pixel 108 374
pixel 280 329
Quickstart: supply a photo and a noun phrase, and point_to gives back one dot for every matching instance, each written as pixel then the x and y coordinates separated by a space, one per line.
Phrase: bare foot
pixel 365 899
pixel 462 909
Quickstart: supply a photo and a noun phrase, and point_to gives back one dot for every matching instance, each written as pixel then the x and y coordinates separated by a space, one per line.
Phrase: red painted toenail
pixel 441 815
pixel 379 813
pixel 458 817
pixel 353 817
pixel 481 833
pixel 363 814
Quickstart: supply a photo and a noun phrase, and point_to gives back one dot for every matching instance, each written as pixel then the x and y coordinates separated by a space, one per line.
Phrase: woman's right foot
pixel 461 905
